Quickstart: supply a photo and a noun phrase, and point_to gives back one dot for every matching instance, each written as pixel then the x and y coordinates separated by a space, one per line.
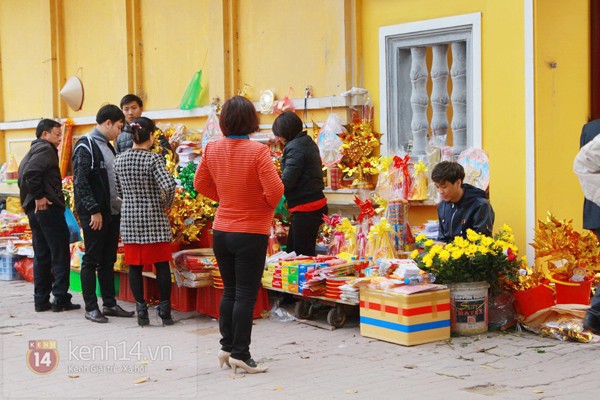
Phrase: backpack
pixel 89 146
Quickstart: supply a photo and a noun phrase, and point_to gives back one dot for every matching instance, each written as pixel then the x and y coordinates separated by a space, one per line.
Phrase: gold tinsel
pixel 557 240
pixel 358 150
pixel 189 216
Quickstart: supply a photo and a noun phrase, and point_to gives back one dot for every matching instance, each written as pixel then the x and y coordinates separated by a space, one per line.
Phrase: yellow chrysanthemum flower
pixel 429 243
pixel 487 241
pixel 444 255
pixel 472 236
pixel 414 254
pixel 421 237
pixel 435 249
pixel 459 241
pixel 428 260
pixel 456 254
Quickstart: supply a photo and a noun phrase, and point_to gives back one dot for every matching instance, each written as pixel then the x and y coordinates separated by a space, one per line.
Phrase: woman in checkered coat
pixel 147 190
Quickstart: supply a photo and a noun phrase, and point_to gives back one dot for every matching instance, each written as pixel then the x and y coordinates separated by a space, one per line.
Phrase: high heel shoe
pixel 164 312
pixel 223 357
pixel 250 366
pixel 142 314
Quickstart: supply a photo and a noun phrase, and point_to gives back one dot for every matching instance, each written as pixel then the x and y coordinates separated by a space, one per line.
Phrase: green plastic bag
pixel 192 92
pixel 282 209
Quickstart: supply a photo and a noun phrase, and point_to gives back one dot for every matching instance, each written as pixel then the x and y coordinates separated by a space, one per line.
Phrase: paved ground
pixel 120 360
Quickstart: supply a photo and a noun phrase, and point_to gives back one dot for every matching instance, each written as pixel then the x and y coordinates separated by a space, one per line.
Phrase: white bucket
pixel 468 308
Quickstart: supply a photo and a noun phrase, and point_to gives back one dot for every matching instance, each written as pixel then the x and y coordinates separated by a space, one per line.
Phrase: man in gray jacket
pixel 99 209
pixel 42 198
pixel 587 168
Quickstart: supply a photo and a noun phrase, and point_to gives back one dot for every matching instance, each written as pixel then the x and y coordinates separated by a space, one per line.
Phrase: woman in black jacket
pixel 302 176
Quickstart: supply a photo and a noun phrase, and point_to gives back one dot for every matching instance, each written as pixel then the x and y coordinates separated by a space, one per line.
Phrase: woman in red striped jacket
pixel 239 174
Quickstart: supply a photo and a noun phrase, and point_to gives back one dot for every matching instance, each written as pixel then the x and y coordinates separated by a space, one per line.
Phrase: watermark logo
pixel 42 356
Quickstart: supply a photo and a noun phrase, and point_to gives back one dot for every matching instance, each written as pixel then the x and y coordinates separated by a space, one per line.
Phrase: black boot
pixel 142 314
pixel 164 312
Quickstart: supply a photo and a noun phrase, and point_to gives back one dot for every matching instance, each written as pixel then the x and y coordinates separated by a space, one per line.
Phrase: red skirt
pixel 148 253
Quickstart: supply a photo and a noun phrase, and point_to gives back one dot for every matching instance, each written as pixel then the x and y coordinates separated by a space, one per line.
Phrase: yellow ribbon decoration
pixel 380 201
pixel 380 243
pixel 420 166
pixel 385 162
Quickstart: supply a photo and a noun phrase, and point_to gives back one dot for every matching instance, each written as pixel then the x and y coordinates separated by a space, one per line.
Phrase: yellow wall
pixel 175 46
pixel 503 83
pixel 25 57
pixel 562 103
pixel 101 63
pixel 306 47
pixel 118 46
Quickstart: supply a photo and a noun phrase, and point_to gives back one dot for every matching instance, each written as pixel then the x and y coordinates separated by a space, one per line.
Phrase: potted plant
pixel 469 266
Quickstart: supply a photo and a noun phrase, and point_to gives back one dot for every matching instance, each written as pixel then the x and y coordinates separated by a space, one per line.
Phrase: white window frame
pixel 429 32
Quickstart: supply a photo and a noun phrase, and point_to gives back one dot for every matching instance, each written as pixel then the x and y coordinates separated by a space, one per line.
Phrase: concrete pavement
pixel 120 360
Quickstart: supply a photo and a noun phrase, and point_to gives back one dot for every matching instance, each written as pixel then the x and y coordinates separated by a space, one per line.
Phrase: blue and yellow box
pixel 406 319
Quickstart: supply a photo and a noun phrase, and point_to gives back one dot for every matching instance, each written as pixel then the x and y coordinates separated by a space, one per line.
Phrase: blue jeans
pixel 241 259
pixel 52 257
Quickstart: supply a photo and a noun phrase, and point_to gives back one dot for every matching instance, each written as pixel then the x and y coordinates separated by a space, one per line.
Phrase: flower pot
pixel 468 308
pixel 573 292
pixel 532 300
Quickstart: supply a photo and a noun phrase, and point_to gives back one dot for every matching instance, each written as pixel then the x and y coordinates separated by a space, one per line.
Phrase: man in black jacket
pixel 99 209
pixel 463 206
pixel 40 187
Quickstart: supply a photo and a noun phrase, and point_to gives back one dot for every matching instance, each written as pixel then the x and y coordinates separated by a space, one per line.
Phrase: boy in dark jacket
pixel 99 209
pixel 40 187
pixel 132 106
pixel 463 206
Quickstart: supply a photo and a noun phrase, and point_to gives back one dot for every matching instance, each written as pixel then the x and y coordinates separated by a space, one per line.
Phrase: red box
pixel 183 298
pixel 124 289
pixel 208 300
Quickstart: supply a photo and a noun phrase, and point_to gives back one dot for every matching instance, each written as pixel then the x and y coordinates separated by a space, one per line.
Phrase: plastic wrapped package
pixel 562 322
pixel 329 142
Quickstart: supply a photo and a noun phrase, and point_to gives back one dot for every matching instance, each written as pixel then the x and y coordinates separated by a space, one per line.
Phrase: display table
pixel 8 189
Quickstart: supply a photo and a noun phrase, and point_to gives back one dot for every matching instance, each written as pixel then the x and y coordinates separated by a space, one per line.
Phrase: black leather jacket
pixel 302 172
pixel 472 211
pixel 39 175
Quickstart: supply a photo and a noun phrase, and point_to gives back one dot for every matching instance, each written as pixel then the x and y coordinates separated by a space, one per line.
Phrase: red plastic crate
pixel 124 289
pixel 183 298
pixel 151 293
pixel 208 300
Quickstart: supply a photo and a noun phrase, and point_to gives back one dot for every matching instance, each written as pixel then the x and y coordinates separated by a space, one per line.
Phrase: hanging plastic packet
pixel 329 142
pixel 211 131
pixel 284 105
pixel 192 92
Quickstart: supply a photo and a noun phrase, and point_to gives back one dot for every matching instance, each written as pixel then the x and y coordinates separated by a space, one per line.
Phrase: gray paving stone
pixel 305 362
